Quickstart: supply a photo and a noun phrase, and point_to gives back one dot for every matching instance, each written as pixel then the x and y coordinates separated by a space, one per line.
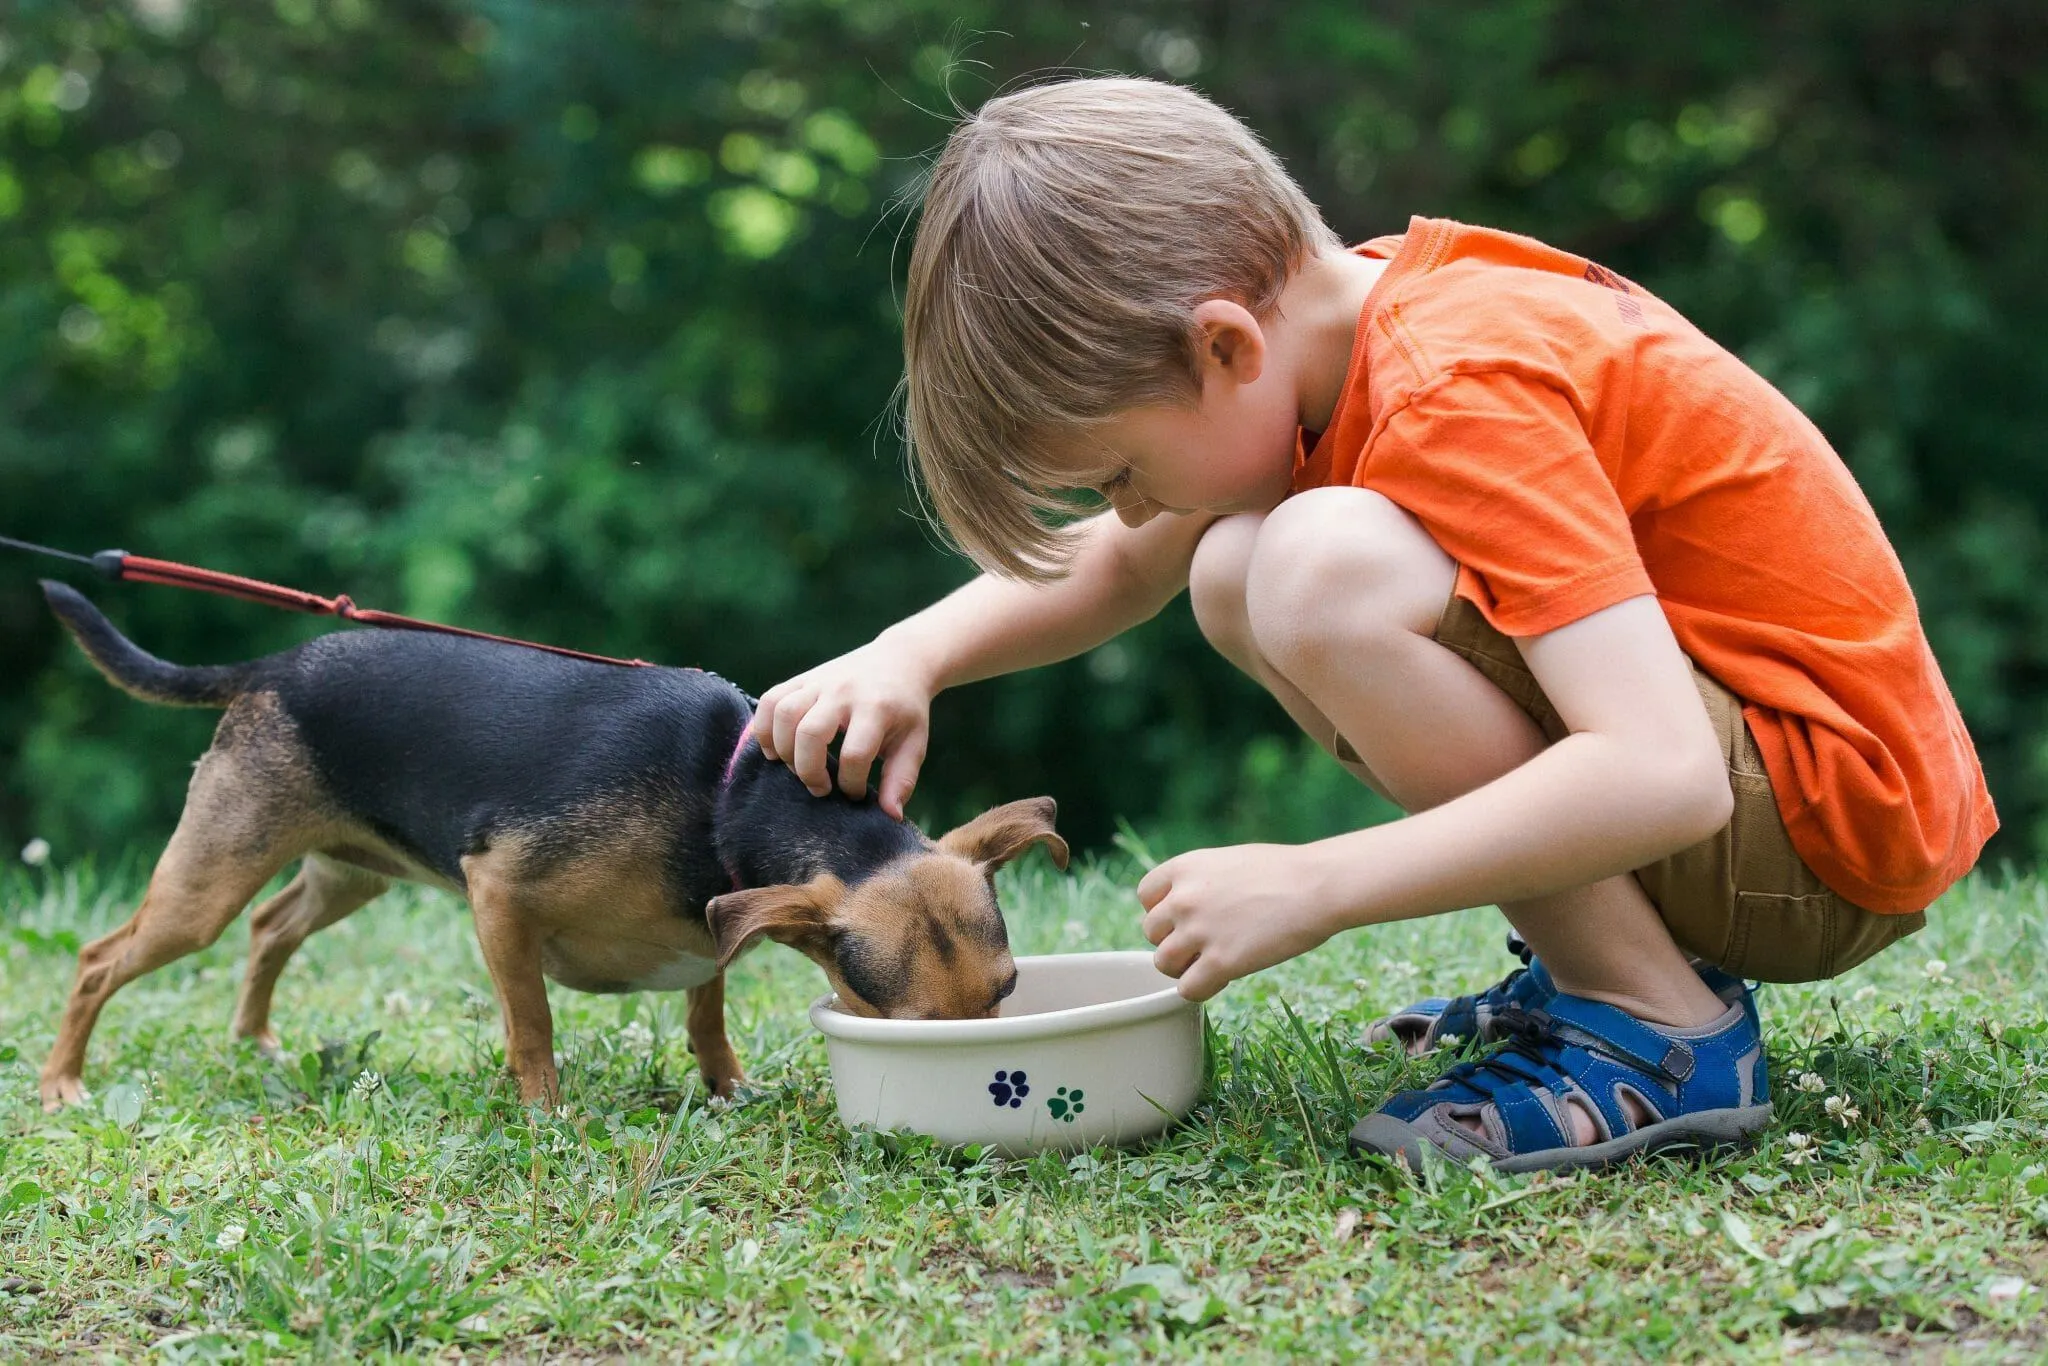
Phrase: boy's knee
pixel 1343 562
pixel 1216 581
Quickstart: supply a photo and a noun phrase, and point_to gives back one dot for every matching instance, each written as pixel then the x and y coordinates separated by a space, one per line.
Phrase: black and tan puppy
pixel 613 828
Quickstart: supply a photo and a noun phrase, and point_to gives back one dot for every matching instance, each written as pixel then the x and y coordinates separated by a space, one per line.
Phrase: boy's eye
pixel 1110 488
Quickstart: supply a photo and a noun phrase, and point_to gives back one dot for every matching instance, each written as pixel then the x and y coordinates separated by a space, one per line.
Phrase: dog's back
pixel 437 743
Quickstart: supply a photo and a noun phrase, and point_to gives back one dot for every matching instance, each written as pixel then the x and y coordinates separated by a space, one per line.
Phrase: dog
pixel 613 828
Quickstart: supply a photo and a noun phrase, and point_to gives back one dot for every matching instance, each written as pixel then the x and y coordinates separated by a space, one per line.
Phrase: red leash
pixel 120 566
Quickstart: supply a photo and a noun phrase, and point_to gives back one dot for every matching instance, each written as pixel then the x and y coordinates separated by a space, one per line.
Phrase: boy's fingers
pixel 789 714
pixel 1198 983
pixel 1157 924
pixel 1175 955
pixel 857 753
pixel 763 724
pixel 813 739
pixel 1153 887
pixel 899 771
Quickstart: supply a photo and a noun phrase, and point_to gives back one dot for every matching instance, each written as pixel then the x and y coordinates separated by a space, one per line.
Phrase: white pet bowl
pixel 1090 1048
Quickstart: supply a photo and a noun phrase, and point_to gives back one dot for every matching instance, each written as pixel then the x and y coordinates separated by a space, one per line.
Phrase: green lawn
pixel 210 1204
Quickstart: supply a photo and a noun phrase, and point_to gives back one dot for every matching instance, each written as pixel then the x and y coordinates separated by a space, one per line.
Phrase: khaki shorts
pixel 1742 899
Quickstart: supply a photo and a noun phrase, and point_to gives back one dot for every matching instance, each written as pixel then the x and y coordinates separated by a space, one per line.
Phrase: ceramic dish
pixel 1090 1048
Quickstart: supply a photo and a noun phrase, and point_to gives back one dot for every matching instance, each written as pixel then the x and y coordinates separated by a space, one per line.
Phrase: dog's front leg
pixel 511 948
pixel 715 1058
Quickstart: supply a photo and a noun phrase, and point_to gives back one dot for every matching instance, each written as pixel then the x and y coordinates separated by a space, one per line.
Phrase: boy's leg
pixel 1342 591
pixel 1216 582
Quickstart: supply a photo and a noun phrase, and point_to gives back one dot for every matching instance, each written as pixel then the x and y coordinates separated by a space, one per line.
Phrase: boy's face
pixel 1232 451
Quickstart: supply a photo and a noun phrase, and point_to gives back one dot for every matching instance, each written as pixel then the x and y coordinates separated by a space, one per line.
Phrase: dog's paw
pixel 265 1043
pixel 730 1089
pixel 59 1092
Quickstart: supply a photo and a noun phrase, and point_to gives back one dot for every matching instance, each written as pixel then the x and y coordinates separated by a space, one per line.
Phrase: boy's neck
pixel 1323 304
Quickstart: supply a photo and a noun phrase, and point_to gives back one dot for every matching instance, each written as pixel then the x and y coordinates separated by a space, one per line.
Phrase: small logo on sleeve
pixel 1624 297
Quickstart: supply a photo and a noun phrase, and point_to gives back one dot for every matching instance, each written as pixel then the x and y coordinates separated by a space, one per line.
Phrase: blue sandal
pixel 1699 1089
pixel 1439 1020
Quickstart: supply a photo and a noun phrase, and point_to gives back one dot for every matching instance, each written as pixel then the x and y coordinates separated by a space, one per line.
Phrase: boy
pixel 1520 546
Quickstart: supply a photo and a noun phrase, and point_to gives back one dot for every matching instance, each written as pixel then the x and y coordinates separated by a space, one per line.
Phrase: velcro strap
pixel 1619 1034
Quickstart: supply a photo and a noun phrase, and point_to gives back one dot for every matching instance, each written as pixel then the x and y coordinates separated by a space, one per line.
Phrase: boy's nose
pixel 1134 509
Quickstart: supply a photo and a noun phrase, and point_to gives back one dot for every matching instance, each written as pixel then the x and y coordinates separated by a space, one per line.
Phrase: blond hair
pixel 1068 232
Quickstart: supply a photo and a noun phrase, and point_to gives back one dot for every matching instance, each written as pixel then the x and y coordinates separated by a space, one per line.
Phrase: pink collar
pixel 739 748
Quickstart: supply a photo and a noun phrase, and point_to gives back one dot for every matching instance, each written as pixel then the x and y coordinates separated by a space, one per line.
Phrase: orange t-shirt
pixel 1573 442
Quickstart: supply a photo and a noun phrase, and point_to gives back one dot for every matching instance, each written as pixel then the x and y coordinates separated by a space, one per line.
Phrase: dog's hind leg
pixel 227 845
pixel 706 1024
pixel 511 947
pixel 324 892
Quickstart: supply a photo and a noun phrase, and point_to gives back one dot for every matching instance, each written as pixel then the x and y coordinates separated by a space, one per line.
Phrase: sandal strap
pixel 1607 1029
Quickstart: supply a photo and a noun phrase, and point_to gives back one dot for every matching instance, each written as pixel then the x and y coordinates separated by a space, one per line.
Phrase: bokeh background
pixel 580 322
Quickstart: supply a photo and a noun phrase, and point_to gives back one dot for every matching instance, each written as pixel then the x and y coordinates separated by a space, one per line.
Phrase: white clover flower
pixel 398 1005
pixel 367 1084
pixel 1800 1149
pixel 36 852
pixel 1934 1057
pixel 230 1238
pixel 1923 1125
pixel 1864 993
pixel 1841 1111
pixel 636 1038
pixel 1810 1081
pixel 1936 969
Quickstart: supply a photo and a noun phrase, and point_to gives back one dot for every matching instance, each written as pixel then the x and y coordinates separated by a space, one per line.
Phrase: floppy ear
pixel 995 837
pixel 796 914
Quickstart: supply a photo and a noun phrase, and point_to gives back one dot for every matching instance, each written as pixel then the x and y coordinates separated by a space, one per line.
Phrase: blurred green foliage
pixel 579 322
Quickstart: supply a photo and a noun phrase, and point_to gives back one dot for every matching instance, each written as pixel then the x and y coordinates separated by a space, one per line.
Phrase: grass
pixel 208 1204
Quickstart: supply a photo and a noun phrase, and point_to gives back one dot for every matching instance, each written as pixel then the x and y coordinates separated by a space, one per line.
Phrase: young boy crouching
pixel 1526 551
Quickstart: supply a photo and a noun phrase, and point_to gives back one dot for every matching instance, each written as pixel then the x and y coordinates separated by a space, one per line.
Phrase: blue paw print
pixel 1009 1089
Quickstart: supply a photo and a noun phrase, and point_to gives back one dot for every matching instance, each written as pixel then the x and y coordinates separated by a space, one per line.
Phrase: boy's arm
pixel 1640 776
pixel 880 694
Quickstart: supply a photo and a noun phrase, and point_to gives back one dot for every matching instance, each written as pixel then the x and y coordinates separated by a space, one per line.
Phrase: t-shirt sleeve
pixel 1498 469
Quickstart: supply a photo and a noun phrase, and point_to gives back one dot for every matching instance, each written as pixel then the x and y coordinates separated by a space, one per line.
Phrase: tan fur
pixel 962 984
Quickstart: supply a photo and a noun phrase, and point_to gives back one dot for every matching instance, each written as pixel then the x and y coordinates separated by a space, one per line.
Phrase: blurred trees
pixel 579 322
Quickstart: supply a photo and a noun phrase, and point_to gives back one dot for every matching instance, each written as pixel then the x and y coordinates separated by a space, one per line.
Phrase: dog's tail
pixel 134 670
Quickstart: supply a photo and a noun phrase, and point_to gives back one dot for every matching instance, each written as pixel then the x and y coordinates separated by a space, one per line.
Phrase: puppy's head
pixel 921 938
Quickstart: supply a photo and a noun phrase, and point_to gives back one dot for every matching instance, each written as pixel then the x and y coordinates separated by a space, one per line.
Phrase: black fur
pixel 134 669
pixel 440 744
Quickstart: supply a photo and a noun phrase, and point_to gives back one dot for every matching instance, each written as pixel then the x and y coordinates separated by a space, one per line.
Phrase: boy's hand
pixel 1216 915
pixel 879 695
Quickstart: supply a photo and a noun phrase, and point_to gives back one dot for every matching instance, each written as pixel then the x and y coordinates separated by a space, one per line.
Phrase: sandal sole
pixel 1380 1135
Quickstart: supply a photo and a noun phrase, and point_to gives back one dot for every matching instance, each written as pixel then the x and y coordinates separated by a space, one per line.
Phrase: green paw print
pixel 1065 1104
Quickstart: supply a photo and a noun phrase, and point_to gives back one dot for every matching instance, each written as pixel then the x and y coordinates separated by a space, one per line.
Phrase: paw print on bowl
pixel 1066 1104
pixel 1009 1088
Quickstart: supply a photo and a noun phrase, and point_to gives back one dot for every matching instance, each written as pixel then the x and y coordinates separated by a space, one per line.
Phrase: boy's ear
pixel 995 837
pixel 1231 341
pixel 797 914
